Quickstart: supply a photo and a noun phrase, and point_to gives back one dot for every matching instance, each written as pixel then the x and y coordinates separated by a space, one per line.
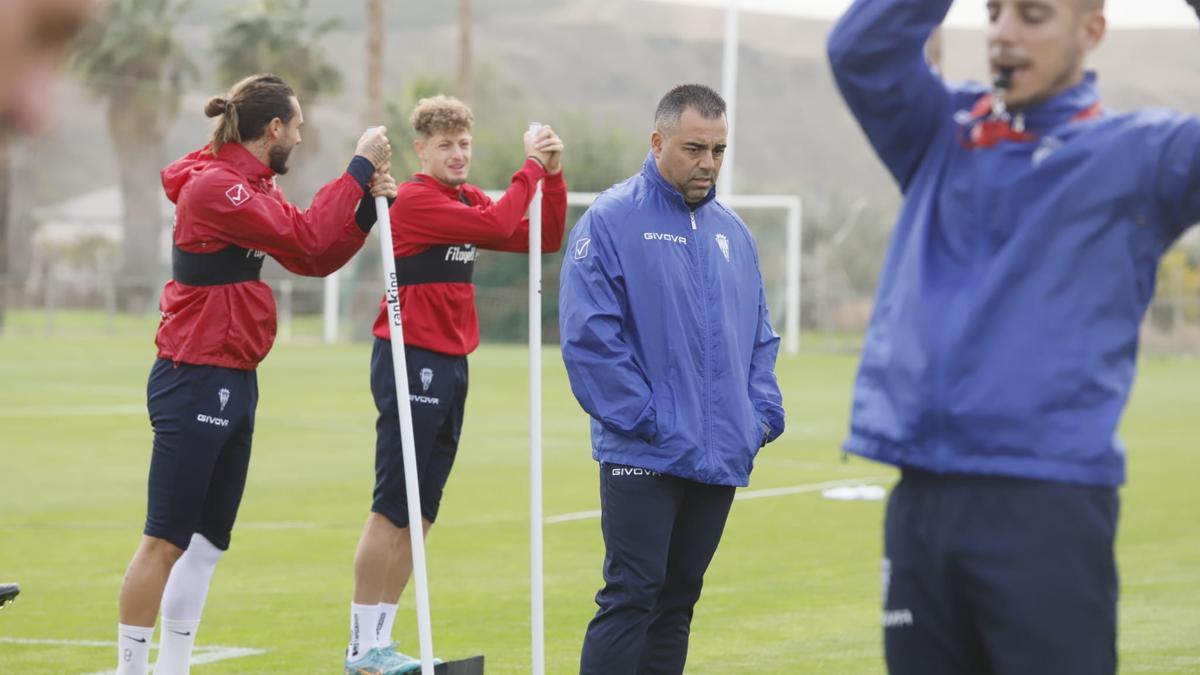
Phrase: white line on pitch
pixel 568 517
pixel 201 654
pixel 801 489
pixel 73 643
pixel 839 467
pixel 126 526
pixel 88 410
pixel 748 494
pixel 223 653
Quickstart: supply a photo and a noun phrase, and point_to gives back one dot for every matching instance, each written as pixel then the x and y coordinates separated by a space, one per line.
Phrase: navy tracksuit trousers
pixel 660 534
pixel 999 576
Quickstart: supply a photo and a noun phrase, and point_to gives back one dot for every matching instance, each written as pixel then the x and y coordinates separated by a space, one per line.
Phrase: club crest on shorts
pixel 223 396
pixel 723 244
pixel 426 378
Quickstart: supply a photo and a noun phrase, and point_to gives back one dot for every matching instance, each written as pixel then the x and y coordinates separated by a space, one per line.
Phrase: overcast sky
pixel 971 14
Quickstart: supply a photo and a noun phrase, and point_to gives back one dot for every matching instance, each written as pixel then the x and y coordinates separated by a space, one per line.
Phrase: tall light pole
pixel 374 111
pixel 729 73
pixel 463 80
pixel 372 116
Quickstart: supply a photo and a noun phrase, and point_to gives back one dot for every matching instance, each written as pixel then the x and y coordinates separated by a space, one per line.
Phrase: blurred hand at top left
pixel 35 37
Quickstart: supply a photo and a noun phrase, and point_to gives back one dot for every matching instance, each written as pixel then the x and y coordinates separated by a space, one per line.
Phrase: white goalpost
pixel 794 208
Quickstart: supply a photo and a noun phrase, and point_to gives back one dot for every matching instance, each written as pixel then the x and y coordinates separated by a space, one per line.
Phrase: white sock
pixel 175 642
pixel 133 649
pixel 364 620
pixel 187 587
pixel 183 603
pixel 387 617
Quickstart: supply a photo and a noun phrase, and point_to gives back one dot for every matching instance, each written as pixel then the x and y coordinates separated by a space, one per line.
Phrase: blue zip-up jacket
pixel 1005 330
pixel 665 333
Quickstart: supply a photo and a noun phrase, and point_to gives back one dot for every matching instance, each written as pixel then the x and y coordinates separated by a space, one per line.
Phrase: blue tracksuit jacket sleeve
pixel 877 54
pixel 764 389
pixel 1178 175
pixel 592 313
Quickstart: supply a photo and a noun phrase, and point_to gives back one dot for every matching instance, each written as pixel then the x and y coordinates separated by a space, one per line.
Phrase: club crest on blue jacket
pixel 665 333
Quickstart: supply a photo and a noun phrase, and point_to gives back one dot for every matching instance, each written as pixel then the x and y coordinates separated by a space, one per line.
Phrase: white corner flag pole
pixel 537 606
pixel 400 370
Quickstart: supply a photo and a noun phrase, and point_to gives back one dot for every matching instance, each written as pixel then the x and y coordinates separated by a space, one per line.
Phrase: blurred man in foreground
pixel 1003 343
pixel 34 38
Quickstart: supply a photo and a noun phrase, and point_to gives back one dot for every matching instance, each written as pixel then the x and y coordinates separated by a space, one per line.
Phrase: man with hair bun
pixel 439 224
pixel 217 325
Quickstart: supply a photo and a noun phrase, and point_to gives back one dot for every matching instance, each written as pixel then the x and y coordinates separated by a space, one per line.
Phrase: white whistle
pixel 534 128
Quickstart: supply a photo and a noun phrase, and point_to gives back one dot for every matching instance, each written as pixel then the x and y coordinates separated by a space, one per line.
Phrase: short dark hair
pixel 706 102
pixel 249 107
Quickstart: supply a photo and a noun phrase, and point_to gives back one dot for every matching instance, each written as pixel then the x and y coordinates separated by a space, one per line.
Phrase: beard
pixel 277 158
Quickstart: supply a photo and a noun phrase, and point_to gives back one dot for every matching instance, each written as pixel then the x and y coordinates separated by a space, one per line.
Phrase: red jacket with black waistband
pixel 436 231
pixel 230 200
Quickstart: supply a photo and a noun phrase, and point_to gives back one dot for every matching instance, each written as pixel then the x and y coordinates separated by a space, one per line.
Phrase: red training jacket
pixel 231 198
pixel 441 317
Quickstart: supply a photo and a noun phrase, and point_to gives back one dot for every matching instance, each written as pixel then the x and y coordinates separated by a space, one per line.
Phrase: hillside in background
pixel 614 59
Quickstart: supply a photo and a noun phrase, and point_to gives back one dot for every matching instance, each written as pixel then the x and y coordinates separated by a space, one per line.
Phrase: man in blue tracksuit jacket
pixel 1004 338
pixel 669 348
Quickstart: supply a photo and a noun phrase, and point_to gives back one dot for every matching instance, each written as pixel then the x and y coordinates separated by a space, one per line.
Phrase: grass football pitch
pixel 794 587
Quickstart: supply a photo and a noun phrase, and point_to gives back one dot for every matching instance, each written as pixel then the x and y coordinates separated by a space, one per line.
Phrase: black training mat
pixel 468 666
pixel 9 592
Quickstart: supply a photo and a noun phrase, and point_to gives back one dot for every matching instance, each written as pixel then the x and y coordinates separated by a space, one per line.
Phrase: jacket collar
pixel 453 192
pixel 245 163
pixel 1064 106
pixel 650 171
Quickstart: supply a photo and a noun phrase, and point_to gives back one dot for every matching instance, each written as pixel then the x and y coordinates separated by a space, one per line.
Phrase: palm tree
pixel 131 60
pixel 274 36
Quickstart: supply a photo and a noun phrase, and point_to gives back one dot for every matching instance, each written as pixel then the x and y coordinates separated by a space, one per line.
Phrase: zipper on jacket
pixel 953 325
pixel 706 420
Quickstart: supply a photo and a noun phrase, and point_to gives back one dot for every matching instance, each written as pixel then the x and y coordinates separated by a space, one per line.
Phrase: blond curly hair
pixel 441 114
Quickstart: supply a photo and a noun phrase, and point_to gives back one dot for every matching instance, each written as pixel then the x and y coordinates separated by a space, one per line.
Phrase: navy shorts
pixel 1000 576
pixel 437 387
pixel 203 419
